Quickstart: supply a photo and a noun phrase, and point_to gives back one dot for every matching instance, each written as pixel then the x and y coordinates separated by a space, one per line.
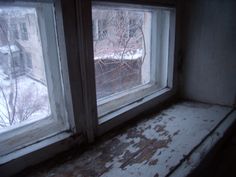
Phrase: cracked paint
pixel 152 147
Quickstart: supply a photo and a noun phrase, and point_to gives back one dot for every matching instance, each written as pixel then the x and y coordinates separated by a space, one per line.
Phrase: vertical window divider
pixel 85 38
pixel 64 64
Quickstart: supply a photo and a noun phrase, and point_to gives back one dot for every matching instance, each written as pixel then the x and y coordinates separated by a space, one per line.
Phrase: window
pixel 99 29
pixel 133 27
pixel 70 73
pixel 102 29
pixel 132 61
pixel 24 32
pixel 32 105
pixel 29 61
pixel 14 31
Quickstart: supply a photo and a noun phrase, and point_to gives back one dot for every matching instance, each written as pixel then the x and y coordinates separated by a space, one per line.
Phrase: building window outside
pixel 102 29
pixel 14 31
pixel 29 61
pixel 99 29
pixel 24 32
pixel 133 27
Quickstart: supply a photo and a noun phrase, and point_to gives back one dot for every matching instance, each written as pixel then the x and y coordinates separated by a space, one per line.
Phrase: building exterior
pixel 19 30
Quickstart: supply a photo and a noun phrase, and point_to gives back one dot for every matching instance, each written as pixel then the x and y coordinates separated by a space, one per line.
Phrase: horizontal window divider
pixel 126 113
pixel 159 3
pixel 16 161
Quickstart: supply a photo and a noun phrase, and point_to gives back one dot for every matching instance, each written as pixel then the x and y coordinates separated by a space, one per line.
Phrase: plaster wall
pixel 209 51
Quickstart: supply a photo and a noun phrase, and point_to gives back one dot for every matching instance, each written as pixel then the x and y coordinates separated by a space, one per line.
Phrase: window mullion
pixel 85 38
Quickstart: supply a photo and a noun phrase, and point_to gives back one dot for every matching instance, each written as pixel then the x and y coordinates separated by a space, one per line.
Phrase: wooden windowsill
pixel 170 143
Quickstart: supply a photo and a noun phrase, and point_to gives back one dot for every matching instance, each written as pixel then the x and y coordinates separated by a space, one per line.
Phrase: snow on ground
pixel 6 49
pixel 32 101
pixel 128 55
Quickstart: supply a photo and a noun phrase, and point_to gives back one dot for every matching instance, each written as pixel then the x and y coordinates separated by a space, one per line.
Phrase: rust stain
pixel 153 162
pixel 159 128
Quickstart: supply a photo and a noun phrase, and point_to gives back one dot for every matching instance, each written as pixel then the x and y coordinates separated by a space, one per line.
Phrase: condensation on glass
pixel 122 39
pixel 23 86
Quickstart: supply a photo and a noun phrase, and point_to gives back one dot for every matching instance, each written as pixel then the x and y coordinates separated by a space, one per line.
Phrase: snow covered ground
pixel 128 55
pixel 31 103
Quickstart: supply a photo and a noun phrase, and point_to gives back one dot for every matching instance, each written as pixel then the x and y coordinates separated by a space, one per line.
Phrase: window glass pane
pixel 121 49
pixel 23 85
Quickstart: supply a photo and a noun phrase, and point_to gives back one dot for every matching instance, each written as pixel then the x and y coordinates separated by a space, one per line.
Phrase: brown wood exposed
pixel 152 147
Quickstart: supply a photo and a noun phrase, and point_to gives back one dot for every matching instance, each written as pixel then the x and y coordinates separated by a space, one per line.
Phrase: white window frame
pixel 95 29
pixel 162 62
pixel 29 132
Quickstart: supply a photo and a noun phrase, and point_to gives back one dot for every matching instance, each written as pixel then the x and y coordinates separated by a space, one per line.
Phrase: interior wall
pixel 209 51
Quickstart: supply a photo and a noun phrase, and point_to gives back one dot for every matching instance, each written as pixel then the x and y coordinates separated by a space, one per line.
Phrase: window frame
pixel 75 43
pixel 30 132
pixel 137 95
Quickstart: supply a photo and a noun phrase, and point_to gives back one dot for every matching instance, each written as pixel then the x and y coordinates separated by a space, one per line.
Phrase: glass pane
pixel 121 42
pixel 23 85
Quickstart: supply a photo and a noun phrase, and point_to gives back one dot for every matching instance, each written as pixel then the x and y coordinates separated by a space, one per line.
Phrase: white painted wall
pixel 209 51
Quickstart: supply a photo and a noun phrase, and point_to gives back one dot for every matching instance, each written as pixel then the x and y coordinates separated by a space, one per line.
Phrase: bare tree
pixel 119 49
pixel 125 37
pixel 125 33
pixel 10 98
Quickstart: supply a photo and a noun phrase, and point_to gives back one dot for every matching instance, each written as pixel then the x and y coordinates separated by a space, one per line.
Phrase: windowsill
pixel 170 143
